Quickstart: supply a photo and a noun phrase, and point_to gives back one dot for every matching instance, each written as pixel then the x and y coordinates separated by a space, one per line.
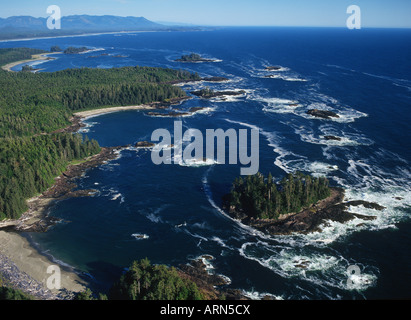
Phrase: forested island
pixel 262 198
pixel 75 50
pixel 193 57
pixel 298 203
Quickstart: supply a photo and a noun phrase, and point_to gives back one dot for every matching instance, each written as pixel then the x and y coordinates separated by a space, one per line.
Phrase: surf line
pixel 215 140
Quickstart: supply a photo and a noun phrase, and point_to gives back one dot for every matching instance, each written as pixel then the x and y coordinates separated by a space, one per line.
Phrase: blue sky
pixel 375 13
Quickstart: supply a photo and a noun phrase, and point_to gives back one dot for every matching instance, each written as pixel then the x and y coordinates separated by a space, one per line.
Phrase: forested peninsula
pixel 36 107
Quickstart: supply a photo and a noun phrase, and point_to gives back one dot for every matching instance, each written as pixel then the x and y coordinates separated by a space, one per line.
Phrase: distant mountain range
pixel 18 27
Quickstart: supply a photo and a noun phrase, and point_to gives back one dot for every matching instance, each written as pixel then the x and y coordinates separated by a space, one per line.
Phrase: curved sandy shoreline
pixel 96 112
pixel 34 57
pixel 23 267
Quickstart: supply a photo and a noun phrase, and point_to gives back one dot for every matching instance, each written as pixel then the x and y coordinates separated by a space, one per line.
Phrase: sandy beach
pixel 96 112
pixel 26 269
pixel 23 267
pixel 34 57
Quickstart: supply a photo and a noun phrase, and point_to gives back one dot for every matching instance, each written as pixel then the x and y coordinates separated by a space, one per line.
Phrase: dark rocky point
pixel 193 57
pixel 144 144
pixel 273 68
pixel 332 138
pixel 208 94
pixel 168 114
pixel 215 79
pixel 325 114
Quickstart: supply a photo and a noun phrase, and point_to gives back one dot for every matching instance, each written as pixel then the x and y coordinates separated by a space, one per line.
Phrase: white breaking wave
pixel 115 195
pixel 197 162
pixel 231 98
pixel 300 107
pixel 88 125
pixel 273 141
pixel 344 139
pixel 316 168
pixel 92 50
pixel 140 236
pixel 284 77
pixel 184 114
pixel 279 105
pixel 255 295
pixel 320 269
pixel 154 215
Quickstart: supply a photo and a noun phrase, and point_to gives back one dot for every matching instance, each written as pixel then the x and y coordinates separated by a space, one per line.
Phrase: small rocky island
pixel 273 68
pixel 193 57
pixel 75 50
pixel 296 204
pixel 108 55
pixel 28 68
pixel 144 144
pixel 324 114
pixel 175 114
pixel 332 138
pixel 207 93
pixel 215 79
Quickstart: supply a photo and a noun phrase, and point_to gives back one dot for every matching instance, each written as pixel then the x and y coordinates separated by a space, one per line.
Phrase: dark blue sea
pixel 363 75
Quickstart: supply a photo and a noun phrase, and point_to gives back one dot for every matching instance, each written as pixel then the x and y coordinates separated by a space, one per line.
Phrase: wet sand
pixel 96 112
pixel 24 268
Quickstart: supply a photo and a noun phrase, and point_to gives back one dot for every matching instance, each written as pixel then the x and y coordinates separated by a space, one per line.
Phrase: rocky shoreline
pixel 35 218
pixel 212 286
pixel 309 219
pixel 209 94
pixel 273 68
pixel 324 114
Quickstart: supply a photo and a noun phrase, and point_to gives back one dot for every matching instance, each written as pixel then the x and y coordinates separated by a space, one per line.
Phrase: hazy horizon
pixel 281 13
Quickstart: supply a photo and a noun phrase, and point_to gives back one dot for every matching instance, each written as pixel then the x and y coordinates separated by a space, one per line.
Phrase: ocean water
pixel 363 75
